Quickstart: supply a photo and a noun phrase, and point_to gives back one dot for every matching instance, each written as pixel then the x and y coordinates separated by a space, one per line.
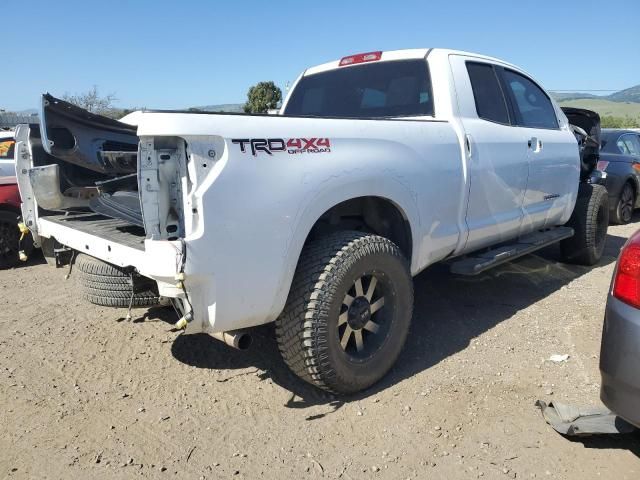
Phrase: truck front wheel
pixel 348 311
pixel 589 220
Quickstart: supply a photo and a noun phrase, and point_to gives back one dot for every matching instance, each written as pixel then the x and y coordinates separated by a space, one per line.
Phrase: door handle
pixel 535 143
pixel 467 145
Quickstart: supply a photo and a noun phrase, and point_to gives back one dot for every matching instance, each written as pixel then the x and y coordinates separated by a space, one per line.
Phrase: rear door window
pixel 533 107
pixel 487 93
pixel 374 90
pixel 629 144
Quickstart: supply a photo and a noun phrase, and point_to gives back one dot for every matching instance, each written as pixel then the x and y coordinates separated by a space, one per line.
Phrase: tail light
pixel 626 284
pixel 602 165
pixel 360 58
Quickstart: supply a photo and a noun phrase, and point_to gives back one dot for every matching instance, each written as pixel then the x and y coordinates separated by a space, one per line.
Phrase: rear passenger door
pixel 629 144
pixel 554 167
pixel 496 154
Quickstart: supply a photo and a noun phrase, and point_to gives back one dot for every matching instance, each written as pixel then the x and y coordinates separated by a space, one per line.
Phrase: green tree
pixel 608 121
pixel 262 97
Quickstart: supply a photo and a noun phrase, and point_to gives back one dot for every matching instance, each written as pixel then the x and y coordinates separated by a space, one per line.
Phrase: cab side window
pixel 487 93
pixel 533 107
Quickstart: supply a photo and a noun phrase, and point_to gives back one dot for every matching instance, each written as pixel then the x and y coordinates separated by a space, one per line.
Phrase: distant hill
pixel 29 111
pixel 622 108
pixel 564 96
pixel 627 95
pixel 627 114
pixel 225 107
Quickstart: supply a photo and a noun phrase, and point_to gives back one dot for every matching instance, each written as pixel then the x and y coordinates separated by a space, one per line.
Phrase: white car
pixel 378 165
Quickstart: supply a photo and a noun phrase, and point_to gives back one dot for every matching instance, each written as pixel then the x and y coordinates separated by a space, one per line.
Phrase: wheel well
pixel 633 184
pixel 7 207
pixel 368 214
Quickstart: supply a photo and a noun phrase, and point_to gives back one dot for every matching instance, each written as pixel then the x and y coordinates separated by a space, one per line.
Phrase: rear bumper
pixel 159 260
pixel 155 259
pixel 620 360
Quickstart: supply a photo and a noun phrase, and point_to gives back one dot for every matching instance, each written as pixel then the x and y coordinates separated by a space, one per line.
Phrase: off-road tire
pixel 623 211
pixel 9 239
pixel 589 220
pixel 110 286
pixel 308 330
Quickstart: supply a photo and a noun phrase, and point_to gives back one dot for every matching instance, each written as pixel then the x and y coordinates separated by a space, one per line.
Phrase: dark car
pixel 620 159
pixel 620 350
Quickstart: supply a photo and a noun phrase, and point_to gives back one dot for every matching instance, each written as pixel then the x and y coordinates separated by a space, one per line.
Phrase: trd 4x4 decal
pixel 292 145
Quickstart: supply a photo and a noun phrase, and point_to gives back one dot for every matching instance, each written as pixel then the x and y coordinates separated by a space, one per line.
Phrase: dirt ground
pixel 85 394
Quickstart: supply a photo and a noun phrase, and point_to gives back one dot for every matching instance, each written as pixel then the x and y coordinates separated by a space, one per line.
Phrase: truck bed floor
pixel 117 231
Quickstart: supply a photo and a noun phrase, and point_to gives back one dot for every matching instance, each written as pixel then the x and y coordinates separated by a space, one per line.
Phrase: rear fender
pixel 394 191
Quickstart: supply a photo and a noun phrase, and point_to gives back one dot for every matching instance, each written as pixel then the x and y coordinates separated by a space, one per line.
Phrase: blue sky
pixel 161 54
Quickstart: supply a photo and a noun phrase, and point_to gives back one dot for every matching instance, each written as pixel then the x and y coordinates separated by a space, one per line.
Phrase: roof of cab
pixel 618 131
pixel 406 54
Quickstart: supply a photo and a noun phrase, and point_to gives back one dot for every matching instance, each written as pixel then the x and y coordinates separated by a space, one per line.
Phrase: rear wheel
pixel 110 286
pixel 348 311
pixel 625 206
pixel 589 220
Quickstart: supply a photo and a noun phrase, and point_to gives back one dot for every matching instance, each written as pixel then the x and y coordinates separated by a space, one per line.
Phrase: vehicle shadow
pixel 449 312
pixel 35 258
pixel 629 442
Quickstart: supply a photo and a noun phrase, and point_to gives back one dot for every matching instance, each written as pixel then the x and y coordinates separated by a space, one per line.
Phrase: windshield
pixel 374 90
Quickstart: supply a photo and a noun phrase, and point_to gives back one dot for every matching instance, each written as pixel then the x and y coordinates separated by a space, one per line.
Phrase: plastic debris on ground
pixel 559 358
pixel 583 421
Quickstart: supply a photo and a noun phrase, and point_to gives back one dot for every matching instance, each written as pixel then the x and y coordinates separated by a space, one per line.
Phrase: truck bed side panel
pixel 256 207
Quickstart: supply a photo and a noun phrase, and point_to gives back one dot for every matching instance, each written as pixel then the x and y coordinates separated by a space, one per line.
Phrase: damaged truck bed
pixel 78 176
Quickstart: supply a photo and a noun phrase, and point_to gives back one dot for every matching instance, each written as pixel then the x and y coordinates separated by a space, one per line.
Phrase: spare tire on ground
pixel 107 285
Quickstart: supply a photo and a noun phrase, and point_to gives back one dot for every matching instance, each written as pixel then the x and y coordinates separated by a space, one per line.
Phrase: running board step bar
pixel 480 261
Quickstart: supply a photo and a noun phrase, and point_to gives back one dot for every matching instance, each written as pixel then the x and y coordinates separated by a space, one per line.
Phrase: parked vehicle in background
pixel 9 204
pixel 379 165
pixel 620 351
pixel 10 234
pixel 620 159
pixel 9 201
pixel 7 146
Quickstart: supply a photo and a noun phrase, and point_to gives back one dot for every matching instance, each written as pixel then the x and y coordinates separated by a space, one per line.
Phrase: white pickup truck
pixel 377 166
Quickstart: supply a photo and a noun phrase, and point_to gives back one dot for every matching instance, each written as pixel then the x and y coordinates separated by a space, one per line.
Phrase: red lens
pixel 626 286
pixel 360 58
